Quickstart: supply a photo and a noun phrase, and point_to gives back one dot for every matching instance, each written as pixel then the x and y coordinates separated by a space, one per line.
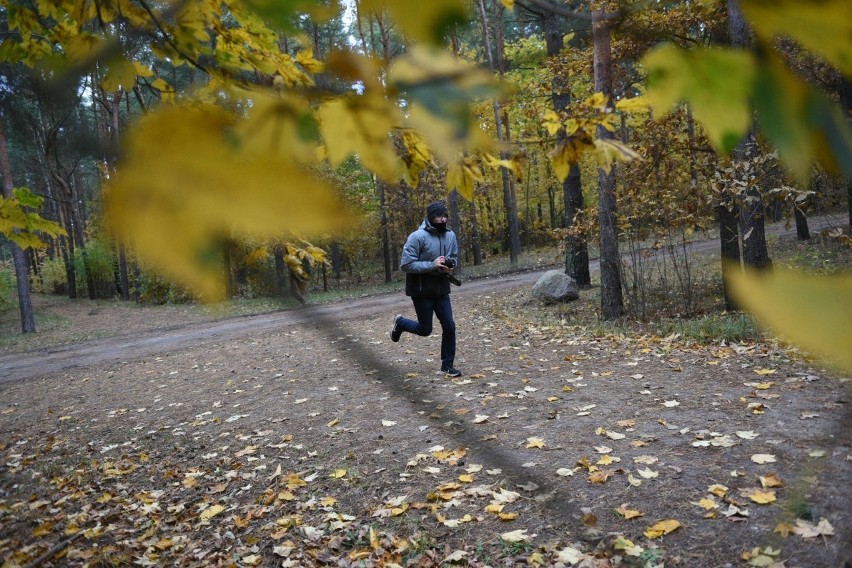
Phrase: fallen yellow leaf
pixel 628 513
pixel 770 480
pixel 763 497
pixel 662 528
pixel 765 372
pixel 211 512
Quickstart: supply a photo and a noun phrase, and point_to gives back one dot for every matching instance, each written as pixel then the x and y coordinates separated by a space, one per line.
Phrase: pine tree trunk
pixel 19 259
pixel 512 224
pixel 475 237
pixel 612 303
pixel 122 270
pixel 383 211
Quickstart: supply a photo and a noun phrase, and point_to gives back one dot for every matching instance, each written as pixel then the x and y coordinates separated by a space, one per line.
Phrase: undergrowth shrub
pixel 154 289
pixel 96 262
pixel 7 287
pixel 52 277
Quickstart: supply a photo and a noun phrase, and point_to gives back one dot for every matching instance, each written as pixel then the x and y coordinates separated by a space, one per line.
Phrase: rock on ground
pixel 556 286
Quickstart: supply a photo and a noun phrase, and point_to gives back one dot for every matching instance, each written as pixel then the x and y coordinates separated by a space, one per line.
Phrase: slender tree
pixel 508 197
pixel 577 255
pixel 612 302
pixel 752 211
pixel 19 259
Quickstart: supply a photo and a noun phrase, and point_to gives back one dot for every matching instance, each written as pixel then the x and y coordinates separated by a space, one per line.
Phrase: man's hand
pixel 439 264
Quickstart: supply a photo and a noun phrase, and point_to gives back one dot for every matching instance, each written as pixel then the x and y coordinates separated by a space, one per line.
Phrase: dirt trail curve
pixel 28 365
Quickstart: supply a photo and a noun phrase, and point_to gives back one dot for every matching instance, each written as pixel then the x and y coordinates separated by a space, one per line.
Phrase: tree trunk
pixel 802 231
pixel 386 253
pixel 226 262
pixel 752 210
pixel 115 124
pixel 846 105
pixel 19 259
pixel 475 238
pixel 577 255
pixel 512 224
pixel 122 270
pixel 612 303
pixel 730 243
pixel 280 277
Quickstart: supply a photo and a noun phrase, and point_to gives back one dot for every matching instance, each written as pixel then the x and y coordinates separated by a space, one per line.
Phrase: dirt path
pixel 307 438
pixel 20 366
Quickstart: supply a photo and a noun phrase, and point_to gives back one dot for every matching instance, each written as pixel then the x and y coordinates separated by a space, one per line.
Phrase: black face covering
pixel 442 227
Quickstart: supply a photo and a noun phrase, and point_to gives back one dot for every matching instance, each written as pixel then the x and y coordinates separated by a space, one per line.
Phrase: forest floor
pixel 308 438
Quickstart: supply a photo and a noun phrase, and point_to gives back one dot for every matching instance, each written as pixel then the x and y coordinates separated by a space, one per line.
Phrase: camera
pixel 449 262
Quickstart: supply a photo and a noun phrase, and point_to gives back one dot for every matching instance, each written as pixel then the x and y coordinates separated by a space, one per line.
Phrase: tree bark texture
pixel 508 198
pixel 612 302
pixel 577 255
pixel 19 259
pixel 383 212
pixel 752 211
pixel 730 242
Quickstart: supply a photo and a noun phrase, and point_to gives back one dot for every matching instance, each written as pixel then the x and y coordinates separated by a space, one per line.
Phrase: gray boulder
pixel 555 286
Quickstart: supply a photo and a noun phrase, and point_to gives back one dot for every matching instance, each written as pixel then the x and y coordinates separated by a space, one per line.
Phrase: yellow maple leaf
pixel 534 442
pixel 770 480
pixel 43 529
pixel 338 473
pixel 662 528
pixel 628 513
pixel 361 126
pixel 551 122
pixel 707 503
pixel 428 22
pixel 779 299
pixel 601 476
pixel 765 371
pixel 211 512
pixel 762 497
pixel 177 207
pixel 607 152
pixel 508 516
pixel 568 152
pixel 634 104
pixel 461 176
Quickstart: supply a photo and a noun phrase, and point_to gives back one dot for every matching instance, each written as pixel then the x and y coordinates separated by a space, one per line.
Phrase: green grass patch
pixel 713 328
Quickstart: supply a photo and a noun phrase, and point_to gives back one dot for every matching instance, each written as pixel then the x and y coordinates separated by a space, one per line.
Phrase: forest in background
pixel 272 145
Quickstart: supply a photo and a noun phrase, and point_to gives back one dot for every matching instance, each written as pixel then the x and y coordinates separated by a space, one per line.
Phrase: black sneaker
pixel 451 371
pixel 396 330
